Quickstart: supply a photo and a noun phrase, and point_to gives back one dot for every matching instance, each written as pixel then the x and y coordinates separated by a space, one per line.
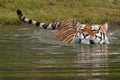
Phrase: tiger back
pixel 66 30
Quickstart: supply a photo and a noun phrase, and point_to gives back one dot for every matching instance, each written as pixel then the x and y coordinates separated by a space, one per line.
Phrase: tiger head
pixel 91 34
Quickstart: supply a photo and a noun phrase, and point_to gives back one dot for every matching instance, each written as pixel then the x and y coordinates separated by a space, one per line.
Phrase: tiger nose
pixel 85 34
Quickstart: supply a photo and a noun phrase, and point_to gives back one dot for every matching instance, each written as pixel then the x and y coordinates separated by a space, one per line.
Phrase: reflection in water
pixel 92 61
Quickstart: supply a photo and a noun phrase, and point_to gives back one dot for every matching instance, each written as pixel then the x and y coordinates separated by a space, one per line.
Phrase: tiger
pixel 72 31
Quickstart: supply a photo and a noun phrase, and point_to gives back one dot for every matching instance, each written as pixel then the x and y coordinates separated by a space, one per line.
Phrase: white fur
pixel 95 27
pixel 34 22
pixel 41 24
pixel 22 17
pixel 87 39
pixel 105 26
pixel 26 19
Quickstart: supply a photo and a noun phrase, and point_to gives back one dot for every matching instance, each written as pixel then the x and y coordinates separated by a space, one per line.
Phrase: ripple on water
pixel 42 55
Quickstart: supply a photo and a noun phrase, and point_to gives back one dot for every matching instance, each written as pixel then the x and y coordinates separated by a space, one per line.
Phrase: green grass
pixel 90 11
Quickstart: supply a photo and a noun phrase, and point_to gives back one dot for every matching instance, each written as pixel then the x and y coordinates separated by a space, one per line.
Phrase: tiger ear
pixel 105 26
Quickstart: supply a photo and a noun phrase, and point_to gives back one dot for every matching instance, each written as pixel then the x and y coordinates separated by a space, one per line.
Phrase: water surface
pixel 29 53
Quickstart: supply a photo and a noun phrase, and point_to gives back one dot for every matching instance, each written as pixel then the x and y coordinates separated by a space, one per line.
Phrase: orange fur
pixel 70 30
pixel 67 29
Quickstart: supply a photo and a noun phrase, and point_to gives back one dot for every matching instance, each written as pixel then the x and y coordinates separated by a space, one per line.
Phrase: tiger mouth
pixel 92 42
pixel 89 41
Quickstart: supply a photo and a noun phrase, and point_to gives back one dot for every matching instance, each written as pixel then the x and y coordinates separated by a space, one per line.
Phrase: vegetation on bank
pixel 90 11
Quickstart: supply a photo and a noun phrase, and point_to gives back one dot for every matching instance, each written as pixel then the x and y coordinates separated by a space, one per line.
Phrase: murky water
pixel 29 53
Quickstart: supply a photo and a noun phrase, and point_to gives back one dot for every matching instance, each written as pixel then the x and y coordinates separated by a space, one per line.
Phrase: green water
pixel 29 53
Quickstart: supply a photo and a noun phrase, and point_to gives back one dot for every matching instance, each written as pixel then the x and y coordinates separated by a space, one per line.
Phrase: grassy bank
pixel 90 11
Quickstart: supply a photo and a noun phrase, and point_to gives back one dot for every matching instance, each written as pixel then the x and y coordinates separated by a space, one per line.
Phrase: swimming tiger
pixel 71 31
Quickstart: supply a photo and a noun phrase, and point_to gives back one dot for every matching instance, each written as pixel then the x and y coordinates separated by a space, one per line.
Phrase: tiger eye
pixel 94 30
pixel 82 29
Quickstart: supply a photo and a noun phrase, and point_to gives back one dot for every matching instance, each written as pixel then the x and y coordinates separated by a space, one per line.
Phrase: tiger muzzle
pixel 85 35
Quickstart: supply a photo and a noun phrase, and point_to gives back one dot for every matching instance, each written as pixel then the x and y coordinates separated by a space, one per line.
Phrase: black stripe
pixel 59 24
pixel 79 41
pixel 92 42
pixel 30 21
pixel 104 36
pixel 19 13
pixel 54 25
pixel 101 35
pixel 45 25
pixel 37 23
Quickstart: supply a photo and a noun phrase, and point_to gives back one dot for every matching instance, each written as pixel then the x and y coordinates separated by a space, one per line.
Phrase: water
pixel 29 53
